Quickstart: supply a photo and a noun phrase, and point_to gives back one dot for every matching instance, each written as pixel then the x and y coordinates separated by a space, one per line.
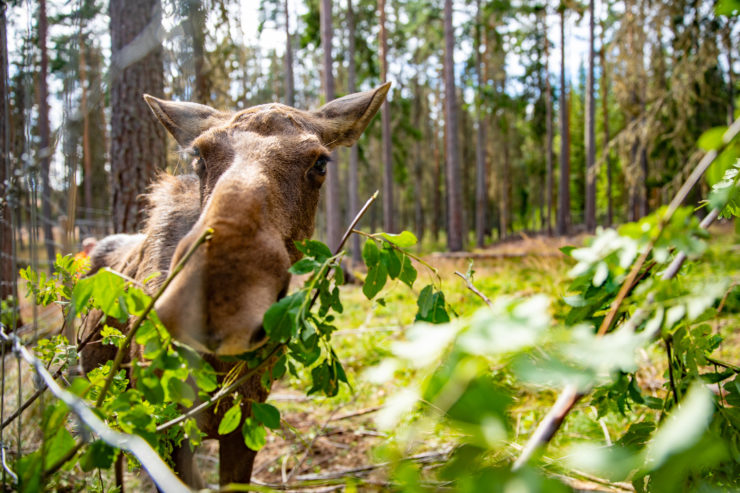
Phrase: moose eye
pixel 200 164
pixel 320 165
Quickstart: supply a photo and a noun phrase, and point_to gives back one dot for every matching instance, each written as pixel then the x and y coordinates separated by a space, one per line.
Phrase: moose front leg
pixel 235 459
pixel 183 456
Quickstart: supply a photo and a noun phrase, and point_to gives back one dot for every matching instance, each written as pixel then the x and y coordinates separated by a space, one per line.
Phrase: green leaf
pixel 408 272
pixel 432 306
pixel 304 266
pixel 254 434
pixel 727 7
pixel 338 275
pixel 266 414
pixel 180 392
pixel 279 321
pixel 315 249
pixel 231 419
pixel 61 443
pixel 390 258
pixel 81 293
pixel 637 435
pixel 107 292
pixel 370 253
pixel 205 378
pixel 375 280
pixel 136 301
pixel 712 138
pixel 682 428
pixel 405 239
pixel 99 455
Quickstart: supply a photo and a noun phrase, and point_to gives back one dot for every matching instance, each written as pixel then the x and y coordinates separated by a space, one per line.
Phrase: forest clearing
pixel 392 245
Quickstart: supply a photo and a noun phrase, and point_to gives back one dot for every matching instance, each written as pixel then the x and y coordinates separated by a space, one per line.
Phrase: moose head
pixel 260 171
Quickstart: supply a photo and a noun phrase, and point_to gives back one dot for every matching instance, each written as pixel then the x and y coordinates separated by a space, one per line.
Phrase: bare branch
pixel 568 398
pixel 469 283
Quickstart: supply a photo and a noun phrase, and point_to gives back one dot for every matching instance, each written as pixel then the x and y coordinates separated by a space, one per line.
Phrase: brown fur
pixel 258 189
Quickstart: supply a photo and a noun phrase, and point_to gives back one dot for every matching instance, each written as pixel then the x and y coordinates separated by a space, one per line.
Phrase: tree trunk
pixel 86 155
pixel 45 138
pixel 607 136
pixel 727 38
pixel 454 192
pixel 418 162
pixel 590 137
pixel 437 177
pixel 70 140
pixel 564 189
pixel 195 25
pixel 333 211
pixel 289 91
pixel 549 131
pixel 481 185
pixel 386 123
pixel 7 267
pixel 137 147
pixel 504 179
pixel 354 205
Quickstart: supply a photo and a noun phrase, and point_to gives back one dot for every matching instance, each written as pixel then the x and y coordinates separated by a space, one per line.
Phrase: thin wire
pixel 6 467
pixel 30 168
pixel 8 193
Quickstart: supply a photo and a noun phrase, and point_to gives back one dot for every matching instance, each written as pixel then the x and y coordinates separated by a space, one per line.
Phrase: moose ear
pixel 185 121
pixel 343 120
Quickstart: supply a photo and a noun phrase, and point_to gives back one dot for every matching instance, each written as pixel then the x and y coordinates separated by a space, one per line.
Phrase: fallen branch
pixel 570 396
pixel 361 412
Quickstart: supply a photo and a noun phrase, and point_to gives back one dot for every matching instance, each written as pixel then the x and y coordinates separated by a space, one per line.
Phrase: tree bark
pixel 137 148
pixel 481 185
pixel 86 155
pixel 388 222
pixel 418 163
pixel 549 131
pixel 289 91
pixel 195 25
pixel 354 205
pixel 454 192
pixel 607 136
pixel 333 212
pixel 7 267
pixel 437 177
pixel 727 38
pixel 564 188
pixel 45 138
pixel 590 133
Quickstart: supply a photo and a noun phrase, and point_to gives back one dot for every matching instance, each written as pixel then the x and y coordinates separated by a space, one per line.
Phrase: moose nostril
pixel 213 341
pixel 258 336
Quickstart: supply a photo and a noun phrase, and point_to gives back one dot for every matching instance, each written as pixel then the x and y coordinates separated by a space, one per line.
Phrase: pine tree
pixel 137 148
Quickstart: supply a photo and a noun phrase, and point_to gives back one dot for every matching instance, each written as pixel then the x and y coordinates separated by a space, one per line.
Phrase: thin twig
pixel 158 470
pixel 123 348
pixel 569 397
pixel 361 412
pixel 674 390
pixel 723 364
pixel 469 283
pixel 346 235
pixel 310 446
pixel 224 391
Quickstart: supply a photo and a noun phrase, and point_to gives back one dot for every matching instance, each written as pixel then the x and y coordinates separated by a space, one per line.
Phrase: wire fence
pixel 158 470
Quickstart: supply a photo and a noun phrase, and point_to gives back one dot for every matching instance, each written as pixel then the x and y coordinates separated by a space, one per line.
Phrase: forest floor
pixel 324 441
